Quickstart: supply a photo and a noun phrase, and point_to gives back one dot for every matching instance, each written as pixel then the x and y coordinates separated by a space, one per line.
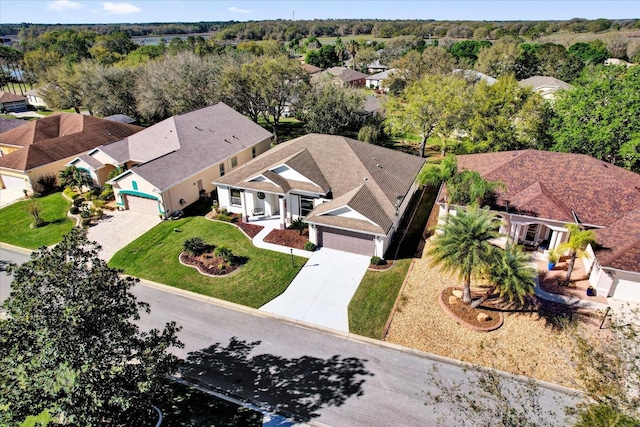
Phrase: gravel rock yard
pixel 526 344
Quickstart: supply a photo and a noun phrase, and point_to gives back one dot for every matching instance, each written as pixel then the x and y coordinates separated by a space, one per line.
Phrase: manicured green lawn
pixel 154 256
pixel 15 222
pixel 371 305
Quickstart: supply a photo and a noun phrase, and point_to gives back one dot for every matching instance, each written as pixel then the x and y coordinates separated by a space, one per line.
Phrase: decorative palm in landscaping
pixel 73 177
pixel 511 274
pixel 578 241
pixel 464 245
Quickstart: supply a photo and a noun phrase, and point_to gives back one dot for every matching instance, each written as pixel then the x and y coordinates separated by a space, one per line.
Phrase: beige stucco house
pixel 171 164
pixel 352 194
pixel 544 191
pixel 44 146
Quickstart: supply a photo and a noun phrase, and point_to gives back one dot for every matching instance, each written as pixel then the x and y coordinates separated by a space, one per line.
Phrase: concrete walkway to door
pixel 322 290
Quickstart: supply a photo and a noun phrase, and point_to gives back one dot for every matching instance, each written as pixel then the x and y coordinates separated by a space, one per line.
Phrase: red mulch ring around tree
pixel 288 238
pixel 209 264
pixel 470 317
pixel 250 230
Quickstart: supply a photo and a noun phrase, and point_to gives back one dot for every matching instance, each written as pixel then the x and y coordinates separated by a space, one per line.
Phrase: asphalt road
pixel 333 379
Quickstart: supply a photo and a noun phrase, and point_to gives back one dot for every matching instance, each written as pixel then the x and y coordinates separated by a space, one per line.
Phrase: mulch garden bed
pixel 288 238
pixel 471 317
pixel 210 264
pixel 250 230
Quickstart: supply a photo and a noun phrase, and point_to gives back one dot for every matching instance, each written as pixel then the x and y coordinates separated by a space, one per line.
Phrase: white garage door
pixel 13 182
pixel 347 241
pixel 140 204
pixel 627 290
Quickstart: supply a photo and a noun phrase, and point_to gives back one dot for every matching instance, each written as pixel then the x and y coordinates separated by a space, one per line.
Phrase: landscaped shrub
pixel 47 184
pixel 225 253
pixel 77 202
pixel 309 246
pixel 107 193
pixel 195 245
pixel 34 210
pixel 97 203
pixel 98 213
pixel 298 224
pixel 68 191
pixel 225 218
pixel 74 210
pixel 376 260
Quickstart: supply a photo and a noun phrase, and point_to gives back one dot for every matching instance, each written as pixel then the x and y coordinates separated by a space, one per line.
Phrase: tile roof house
pixel 171 164
pixel 12 103
pixel 545 86
pixel 352 194
pixel 44 146
pixel 538 201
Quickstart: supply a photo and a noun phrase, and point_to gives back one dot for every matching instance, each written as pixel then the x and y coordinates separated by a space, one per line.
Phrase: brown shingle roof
pixel 8 124
pixel 10 97
pixel 346 165
pixel 56 137
pixel 184 145
pixel 553 186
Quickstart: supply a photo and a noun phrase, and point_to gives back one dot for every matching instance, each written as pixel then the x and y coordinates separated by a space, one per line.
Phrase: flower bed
pixel 210 264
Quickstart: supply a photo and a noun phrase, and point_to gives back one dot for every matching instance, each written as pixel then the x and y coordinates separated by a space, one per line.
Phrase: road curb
pixel 14 248
pixel 355 338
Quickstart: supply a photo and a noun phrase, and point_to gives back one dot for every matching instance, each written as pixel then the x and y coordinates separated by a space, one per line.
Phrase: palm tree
pixel 511 274
pixel 352 46
pixel 463 246
pixel 73 177
pixel 578 241
pixel 435 175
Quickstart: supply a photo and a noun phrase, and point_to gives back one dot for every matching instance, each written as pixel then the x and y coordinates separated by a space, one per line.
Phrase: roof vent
pixel 235 137
pixel 378 165
pixel 197 127
pixel 225 140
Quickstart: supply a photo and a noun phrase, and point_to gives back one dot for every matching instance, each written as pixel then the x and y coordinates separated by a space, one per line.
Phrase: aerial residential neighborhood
pixel 321 216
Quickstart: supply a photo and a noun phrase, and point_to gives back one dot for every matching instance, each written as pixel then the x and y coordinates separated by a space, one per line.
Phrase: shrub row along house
pixel 544 191
pixel 352 194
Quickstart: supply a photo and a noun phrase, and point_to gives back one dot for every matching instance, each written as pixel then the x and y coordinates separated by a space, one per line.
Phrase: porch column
pixel 516 233
pixel 245 213
pixel 283 213
pixel 554 239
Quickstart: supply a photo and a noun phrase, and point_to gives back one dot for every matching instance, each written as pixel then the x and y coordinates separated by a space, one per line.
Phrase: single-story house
pixel 171 164
pixel 544 191
pixel 544 85
pixel 376 67
pixel 346 76
pixel 373 106
pixel 473 76
pixel 44 146
pixel 34 98
pixel 375 81
pixel 352 194
pixel 12 103
pixel 311 70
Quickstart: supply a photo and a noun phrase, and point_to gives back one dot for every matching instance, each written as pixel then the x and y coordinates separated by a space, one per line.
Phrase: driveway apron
pixel 322 290
pixel 118 229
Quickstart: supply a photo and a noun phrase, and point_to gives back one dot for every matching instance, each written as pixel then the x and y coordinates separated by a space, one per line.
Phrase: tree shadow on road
pixel 296 387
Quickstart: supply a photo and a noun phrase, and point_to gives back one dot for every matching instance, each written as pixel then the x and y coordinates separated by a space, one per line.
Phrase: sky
pixel 141 11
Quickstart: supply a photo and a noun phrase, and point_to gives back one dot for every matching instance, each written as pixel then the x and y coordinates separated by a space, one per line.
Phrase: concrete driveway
pixel 8 197
pixel 322 290
pixel 119 228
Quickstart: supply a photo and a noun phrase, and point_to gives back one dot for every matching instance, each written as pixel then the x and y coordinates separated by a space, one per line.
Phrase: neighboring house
pixel 619 62
pixel 373 106
pixel 11 103
pixel 311 70
pixel 34 98
pixel 352 194
pixel 545 86
pixel 546 190
pixel 376 67
pixel 473 76
pixel 171 164
pixel 121 118
pixel 375 81
pixel 346 77
pixel 44 146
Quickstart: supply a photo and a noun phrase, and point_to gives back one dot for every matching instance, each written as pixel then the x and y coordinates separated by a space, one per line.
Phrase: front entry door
pixel 530 236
